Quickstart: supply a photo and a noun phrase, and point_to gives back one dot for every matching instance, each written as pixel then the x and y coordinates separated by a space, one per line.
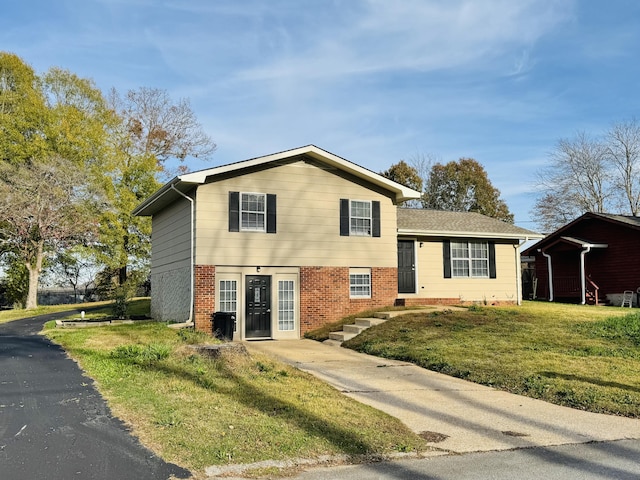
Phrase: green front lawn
pixel 579 356
pixel 197 411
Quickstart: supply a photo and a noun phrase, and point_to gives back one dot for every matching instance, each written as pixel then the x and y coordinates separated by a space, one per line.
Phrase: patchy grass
pixel 579 356
pixel 197 411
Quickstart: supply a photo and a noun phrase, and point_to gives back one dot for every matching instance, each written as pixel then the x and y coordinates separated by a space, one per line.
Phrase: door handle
pixel 268 310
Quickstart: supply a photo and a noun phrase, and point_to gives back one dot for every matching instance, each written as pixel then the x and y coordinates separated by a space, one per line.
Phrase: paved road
pixel 53 422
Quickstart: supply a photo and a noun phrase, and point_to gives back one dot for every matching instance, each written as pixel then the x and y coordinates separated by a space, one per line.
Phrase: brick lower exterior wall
pixel 324 294
pixel 205 296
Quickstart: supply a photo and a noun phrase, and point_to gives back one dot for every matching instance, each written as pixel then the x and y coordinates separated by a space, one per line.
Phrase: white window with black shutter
pixel 252 212
pixel 359 218
pixel 469 259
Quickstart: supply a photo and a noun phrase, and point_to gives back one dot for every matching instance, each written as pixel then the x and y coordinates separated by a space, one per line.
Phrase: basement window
pixel 360 283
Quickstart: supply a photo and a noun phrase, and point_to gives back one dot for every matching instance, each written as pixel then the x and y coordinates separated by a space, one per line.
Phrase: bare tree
pixel 76 268
pixel 157 126
pixel 623 151
pixel 577 180
pixel 42 207
pixel 423 163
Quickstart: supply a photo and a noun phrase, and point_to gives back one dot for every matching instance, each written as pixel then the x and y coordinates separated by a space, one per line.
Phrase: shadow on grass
pixel 593 381
pixel 260 399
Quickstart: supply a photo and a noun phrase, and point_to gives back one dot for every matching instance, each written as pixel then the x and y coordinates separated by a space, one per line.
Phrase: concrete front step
pixel 397 313
pixel 350 331
pixel 354 328
pixel 341 336
pixel 369 322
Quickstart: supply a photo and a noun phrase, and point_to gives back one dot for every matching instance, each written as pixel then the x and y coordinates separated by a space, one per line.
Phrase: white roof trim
pixel 469 234
pixel 402 193
pixel 198 178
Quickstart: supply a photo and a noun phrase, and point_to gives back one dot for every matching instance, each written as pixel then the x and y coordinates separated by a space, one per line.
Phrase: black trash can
pixel 223 323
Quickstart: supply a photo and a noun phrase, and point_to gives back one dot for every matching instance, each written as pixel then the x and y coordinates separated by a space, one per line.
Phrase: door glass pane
pixel 286 305
pixel 228 295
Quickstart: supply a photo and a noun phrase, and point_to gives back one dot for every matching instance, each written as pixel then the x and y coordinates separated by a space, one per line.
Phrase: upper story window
pixel 473 259
pixel 253 208
pixel 252 212
pixel 359 218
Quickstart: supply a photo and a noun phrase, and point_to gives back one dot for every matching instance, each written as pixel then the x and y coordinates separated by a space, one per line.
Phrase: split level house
pixel 593 259
pixel 291 241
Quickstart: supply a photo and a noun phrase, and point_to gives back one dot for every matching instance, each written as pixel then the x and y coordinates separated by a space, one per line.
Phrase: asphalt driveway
pixel 459 416
pixel 53 422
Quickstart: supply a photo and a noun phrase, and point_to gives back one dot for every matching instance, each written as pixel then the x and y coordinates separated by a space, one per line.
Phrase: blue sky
pixel 373 81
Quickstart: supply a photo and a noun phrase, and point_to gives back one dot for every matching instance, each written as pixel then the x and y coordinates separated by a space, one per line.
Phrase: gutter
pixel 519 271
pixel 466 234
pixel 191 262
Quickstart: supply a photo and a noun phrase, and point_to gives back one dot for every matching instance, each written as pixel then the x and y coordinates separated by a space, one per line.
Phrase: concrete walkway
pixel 472 417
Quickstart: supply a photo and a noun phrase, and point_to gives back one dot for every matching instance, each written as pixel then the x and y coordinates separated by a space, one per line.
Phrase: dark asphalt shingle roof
pixel 438 221
pixel 626 219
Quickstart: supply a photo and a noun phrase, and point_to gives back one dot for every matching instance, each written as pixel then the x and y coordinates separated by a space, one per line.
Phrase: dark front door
pixel 258 311
pixel 406 267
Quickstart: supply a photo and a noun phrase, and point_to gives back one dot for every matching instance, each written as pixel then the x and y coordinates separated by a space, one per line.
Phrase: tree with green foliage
pixel 406 175
pixel 52 143
pixel 23 112
pixel 16 280
pixel 464 186
pixel 57 128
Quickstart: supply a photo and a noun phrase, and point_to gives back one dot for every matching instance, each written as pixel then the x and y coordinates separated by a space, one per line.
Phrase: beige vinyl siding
pixel 171 237
pixel 171 263
pixel 308 221
pixel 432 284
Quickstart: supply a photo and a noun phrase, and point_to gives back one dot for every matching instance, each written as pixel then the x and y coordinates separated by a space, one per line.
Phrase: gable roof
pixel 183 183
pixel 562 235
pixel 418 221
pixel 621 219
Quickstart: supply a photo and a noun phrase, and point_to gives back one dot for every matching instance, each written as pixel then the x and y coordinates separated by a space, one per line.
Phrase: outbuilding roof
pixel 418 221
pixel 563 234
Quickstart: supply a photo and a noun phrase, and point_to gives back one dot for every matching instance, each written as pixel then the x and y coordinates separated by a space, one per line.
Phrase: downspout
pixel 550 274
pixel 582 275
pixel 190 320
pixel 519 271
